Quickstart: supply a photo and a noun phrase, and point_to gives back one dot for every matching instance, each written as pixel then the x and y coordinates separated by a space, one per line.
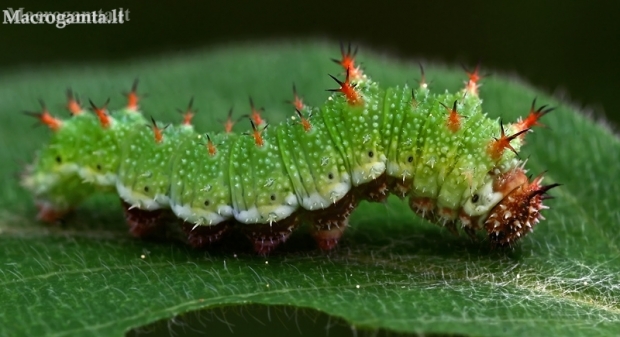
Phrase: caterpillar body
pixel 438 150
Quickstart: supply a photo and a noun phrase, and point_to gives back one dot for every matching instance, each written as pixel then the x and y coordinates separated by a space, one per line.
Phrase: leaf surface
pixel 393 271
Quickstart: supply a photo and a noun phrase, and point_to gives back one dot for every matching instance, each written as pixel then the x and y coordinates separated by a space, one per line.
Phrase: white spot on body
pixel 314 201
pixel 369 171
pixel 486 201
pixel 134 198
pixel 250 215
pixel 198 215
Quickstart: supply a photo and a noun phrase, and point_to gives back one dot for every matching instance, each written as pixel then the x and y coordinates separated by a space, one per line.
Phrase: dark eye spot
pixel 475 198
pixel 273 197
pixel 58 159
pixel 99 167
pixel 371 154
pixel 146 188
pixel 207 203
pixel 330 176
pixel 410 159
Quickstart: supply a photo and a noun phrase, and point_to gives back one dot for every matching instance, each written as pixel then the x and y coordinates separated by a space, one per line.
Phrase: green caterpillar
pixel 440 151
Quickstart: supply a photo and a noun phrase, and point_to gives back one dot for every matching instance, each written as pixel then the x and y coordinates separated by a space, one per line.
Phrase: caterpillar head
pixel 519 210
pixel 508 206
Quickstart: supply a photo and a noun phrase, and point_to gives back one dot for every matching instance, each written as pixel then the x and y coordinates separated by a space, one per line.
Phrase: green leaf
pixel 392 271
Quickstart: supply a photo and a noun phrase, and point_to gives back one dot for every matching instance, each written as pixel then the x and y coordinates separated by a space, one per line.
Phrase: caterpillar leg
pixel 471 232
pixel 426 208
pixel 48 212
pixel 329 224
pixel 204 236
pixel 375 191
pixel 144 223
pixel 265 238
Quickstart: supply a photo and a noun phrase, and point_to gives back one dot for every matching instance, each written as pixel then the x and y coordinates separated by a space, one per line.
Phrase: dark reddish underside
pixel 48 213
pixel 204 236
pixel 328 224
pixel 266 237
pixel 144 224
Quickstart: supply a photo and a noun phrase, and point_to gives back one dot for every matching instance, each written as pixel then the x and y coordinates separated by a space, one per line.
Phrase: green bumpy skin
pixel 355 129
pixel 261 189
pixel 146 166
pixel 443 159
pixel 82 158
pixel 314 164
pixel 449 165
pixel 198 188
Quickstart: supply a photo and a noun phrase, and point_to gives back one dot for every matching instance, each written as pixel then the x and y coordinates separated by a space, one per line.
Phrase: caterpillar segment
pixel 454 165
pixel 81 159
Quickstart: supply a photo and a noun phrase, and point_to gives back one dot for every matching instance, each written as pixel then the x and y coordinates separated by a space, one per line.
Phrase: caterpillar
pixel 439 151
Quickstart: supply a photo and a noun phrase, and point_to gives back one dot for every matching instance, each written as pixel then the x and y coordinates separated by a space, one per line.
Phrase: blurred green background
pixel 567 47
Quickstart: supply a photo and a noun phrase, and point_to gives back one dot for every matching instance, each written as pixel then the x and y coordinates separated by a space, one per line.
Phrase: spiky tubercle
pixel 519 212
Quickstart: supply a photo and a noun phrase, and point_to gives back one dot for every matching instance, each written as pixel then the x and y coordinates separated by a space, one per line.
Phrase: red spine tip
pixel 73 104
pixel 305 123
pixel 454 118
pixel 297 102
pixel 255 113
pixel 348 89
pixel 158 133
pixel 257 134
pixel 189 113
pixel 46 118
pixel 132 97
pixel 498 146
pixel 229 123
pixel 473 81
pixel 533 119
pixel 211 147
pixel 104 118
pixel 347 61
